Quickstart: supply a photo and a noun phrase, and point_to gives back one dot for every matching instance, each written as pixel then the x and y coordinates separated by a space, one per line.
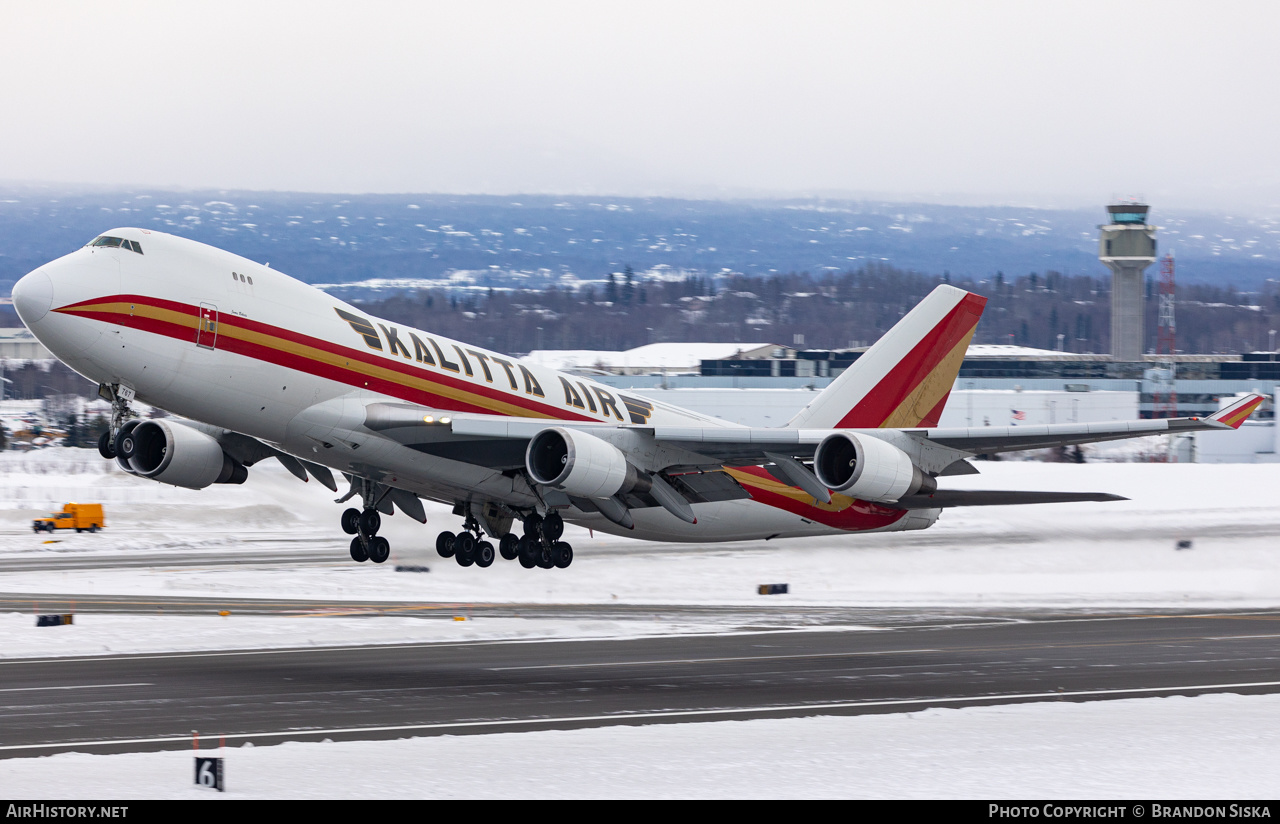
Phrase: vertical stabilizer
pixel 905 378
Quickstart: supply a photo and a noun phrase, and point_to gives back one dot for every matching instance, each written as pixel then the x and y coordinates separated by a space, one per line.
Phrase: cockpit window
pixel 131 245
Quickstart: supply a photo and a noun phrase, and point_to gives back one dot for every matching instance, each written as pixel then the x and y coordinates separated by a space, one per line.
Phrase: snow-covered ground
pixel 1218 746
pixel 1063 555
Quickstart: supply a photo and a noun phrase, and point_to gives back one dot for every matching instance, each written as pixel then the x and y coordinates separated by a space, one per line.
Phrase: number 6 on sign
pixel 209 773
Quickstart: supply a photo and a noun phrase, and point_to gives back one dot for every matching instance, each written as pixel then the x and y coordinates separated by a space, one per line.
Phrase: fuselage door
pixel 207 328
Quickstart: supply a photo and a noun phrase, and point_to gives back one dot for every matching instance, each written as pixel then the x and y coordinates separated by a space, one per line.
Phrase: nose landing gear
pixel 120 413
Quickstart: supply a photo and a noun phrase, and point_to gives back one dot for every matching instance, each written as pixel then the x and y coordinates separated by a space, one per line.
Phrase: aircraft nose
pixel 32 296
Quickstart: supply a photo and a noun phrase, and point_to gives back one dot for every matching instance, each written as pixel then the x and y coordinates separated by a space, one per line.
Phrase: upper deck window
pixel 131 245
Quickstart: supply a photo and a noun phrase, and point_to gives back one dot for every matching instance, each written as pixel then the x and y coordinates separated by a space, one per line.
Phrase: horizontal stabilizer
pixel 963 497
pixel 1236 413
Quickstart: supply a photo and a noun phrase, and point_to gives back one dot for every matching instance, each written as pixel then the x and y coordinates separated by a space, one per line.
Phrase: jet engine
pixel 175 454
pixel 581 464
pixel 868 468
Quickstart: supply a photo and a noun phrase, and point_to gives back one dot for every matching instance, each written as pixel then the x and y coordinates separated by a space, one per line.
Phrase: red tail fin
pixel 905 378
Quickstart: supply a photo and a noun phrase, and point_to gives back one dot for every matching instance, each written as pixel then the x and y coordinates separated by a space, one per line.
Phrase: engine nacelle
pixel 579 464
pixel 868 468
pixel 175 454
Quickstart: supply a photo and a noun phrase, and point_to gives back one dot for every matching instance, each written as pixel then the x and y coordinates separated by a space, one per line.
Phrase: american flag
pixel 1018 416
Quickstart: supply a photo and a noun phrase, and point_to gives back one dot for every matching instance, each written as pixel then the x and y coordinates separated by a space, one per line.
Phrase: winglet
pixel 1236 413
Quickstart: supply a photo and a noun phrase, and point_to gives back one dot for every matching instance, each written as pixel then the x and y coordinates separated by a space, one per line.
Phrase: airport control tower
pixel 1127 246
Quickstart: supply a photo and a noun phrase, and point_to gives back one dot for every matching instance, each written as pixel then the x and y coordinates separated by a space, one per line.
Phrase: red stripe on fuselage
pixel 858 517
pixel 352 377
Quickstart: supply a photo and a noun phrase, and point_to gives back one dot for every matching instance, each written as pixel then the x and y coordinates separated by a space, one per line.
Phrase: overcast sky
pixel 1052 103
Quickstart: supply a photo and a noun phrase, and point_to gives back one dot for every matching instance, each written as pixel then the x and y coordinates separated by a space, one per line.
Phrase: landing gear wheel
pixel 527 553
pixel 561 555
pixel 553 526
pixel 370 522
pixel 351 521
pixel 484 554
pixel 544 559
pixel 533 526
pixel 509 547
pixel 105 449
pixel 379 549
pixel 464 549
pixel 358 552
pixel 445 544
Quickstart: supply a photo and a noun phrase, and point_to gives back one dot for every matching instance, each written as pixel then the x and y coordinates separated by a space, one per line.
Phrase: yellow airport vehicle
pixel 73 516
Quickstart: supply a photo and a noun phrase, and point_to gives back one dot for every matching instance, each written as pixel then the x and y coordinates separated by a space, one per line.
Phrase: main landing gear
pixel 540 546
pixel 467 547
pixel 367 545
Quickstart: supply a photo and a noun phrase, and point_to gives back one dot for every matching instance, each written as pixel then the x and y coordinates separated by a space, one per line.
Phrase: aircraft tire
pixel 509 547
pixel 444 544
pixel 351 521
pixel 370 522
pixel 544 559
pixel 464 549
pixel 358 552
pixel 562 555
pixel 527 556
pixel 379 549
pixel 533 526
pixel 484 554
pixel 553 526
pixel 104 446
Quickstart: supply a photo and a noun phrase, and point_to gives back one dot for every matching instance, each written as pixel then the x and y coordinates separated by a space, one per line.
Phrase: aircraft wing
pixel 687 461
pixel 499 442
pixel 989 439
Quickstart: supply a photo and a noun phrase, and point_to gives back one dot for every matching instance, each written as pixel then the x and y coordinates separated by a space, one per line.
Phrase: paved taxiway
pixel 916 660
